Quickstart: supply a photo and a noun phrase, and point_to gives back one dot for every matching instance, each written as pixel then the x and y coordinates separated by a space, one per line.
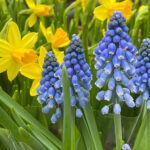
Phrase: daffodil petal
pixel 12 70
pixel 43 29
pixel 5 48
pixel 107 3
pixel 31 71
pixel 59 55
pixel 60 39
pixel 49 35
pixel 29 40
pixel 101 13
pixel 30 3
pixel 141 8
pixel 32 20
pixel 84 2
pixel 14 37
pixel 42 55
pixel 4 62
pixel 35 85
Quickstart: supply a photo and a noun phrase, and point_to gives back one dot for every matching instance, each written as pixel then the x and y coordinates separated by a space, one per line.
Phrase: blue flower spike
pixel 142 79
pixel 115 59
pixel 79 75
pixel 50 89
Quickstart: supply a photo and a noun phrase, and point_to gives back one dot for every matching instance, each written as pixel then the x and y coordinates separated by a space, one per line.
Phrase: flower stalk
pixel 61 12
pixel 67 10
pixel 148 28
pixel 148 129
pixel 118 131
pixel 86 17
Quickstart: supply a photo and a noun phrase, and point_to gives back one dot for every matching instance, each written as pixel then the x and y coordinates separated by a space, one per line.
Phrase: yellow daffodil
pixel 84 2
pixel 38 10
pixel 16 52
pixel 33 71
pixel 141 8
pixel 58 40
pixel 107 7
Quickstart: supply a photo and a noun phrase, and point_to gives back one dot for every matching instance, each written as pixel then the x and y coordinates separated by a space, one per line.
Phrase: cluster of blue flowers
pixel 115 58
pixel 142 78
pixel 50 95
pixel 79 74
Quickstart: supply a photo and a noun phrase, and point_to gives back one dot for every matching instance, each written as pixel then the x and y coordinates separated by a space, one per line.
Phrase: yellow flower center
pixel 41 10
pixel 24 56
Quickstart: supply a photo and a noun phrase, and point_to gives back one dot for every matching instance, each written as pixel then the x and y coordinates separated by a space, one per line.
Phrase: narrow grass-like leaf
pixel 8 123
pixel 85 134
pixel 80 144
pixel 67 111
pixel 140 141
pixel 73 130
pixel 17 118
pixel 30 140
pixel 6 140
pixel 92 127
pixel 41 138
pixel 21 134
pixel 141 138
pixel 6 99
pixel 10 143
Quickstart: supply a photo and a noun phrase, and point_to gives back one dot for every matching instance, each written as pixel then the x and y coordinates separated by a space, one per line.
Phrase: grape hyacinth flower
pixel 48 93
pixel 78 73
pixel 142 78
pixel 115 58
pixel 126 147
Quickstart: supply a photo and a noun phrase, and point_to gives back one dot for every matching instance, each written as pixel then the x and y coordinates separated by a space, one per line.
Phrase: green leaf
pixel 20 134
pixel 8 123
pixel 140 141
pixel 17 118
pixel 80 144
pixel 6 99
pixel 30 140
pixel 7 140
pixel 10 143
pixel 67 111
pixel 141 138
pixel 85 134
pixel 92 127
pixel 41 138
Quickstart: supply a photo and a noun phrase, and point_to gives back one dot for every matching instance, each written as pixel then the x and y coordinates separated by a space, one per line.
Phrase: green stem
pixel 89 26
pixel 76 18
pixel 148 129
pixel 118 131
pixel 73 130
pixel 148 28
pixel 136 4
pixel 67 10
pixel 86 18
pixel 3 6
pixel 61 11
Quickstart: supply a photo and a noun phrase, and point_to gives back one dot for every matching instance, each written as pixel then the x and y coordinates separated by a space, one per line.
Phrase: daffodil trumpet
pixel 33 71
